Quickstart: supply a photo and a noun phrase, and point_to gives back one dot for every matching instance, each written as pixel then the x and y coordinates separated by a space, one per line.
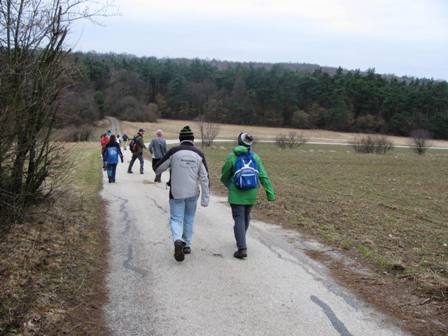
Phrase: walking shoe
pixel 129 171
pixel 110 179
pixel 240 254
pixel 187 249
pixel 141 172
pixel 179 250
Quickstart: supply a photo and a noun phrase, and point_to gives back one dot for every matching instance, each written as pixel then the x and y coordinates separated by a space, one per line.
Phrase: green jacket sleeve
pixel 141 142
pixel 264 179
pixel 226 171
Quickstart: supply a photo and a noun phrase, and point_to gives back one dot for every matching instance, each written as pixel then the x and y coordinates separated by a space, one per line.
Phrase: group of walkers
pixel 111 151
pixel 242 174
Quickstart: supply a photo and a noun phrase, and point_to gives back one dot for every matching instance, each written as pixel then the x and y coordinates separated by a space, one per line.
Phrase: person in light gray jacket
pixel 189 171
pixel 157 147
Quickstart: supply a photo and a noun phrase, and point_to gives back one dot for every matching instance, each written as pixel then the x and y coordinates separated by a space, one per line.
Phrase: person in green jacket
pixel 241 201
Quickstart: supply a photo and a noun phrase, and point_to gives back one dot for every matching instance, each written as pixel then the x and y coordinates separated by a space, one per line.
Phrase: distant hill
pixel 255 93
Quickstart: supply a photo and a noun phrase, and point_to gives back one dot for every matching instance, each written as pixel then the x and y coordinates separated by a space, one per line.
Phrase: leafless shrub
pixel 378 144
pixel 291 140
pixel 281 141
pixel 295 139
pixel 420 141
pixel 208 130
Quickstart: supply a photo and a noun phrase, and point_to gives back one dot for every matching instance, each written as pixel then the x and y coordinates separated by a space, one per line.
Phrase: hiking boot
pixel 141 172
pixel 187 249
pixel 110 179
pixel 240 254
pixel 179 250
pixel 129 171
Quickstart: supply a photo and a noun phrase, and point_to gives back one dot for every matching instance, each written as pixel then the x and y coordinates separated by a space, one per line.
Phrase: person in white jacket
pixel 189 171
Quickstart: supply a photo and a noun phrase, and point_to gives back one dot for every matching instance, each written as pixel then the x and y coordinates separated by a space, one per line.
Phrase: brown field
pixel 172 128
pixel 387 211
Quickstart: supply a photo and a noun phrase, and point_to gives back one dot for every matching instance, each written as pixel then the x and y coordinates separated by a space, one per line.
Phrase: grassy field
pixel 172 128
pixel 392 208
pixel 51 266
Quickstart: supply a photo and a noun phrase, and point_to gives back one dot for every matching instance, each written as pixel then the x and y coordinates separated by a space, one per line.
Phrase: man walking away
pixel 157 147
pixel 188 172
pixel 111 154
pixel 136 146
pixel 241 174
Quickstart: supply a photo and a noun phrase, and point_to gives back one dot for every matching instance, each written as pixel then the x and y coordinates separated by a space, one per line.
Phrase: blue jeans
pixel 111 170
pixel 182 212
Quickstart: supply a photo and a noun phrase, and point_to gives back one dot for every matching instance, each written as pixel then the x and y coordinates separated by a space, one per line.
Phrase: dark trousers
pixel 241 216
pixel 135 157
pixel 111 171
pixel 158 176
pixel 103 154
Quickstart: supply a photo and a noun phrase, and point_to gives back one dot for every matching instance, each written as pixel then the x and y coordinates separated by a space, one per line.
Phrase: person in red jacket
pixel 104 140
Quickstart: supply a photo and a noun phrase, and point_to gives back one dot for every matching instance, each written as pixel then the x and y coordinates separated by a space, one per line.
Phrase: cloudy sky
pixel 404 37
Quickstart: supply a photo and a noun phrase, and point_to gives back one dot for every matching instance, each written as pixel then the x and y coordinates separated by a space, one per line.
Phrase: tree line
pixel 144 88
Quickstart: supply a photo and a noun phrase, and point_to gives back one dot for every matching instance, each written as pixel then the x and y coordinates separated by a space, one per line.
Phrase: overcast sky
pixel 404 37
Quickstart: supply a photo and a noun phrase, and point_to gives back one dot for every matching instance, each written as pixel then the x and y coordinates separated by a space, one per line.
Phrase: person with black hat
pixel 136 146
pixel 188 172
pixel 242 174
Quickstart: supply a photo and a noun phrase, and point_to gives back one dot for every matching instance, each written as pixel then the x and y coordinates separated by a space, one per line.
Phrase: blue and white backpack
pixel 112 154
pixel 246 174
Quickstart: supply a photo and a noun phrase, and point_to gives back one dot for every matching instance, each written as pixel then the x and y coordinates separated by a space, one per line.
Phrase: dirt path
pixel 278 290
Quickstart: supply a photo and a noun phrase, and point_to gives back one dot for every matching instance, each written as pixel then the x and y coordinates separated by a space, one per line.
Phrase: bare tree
pixel 33 72
pixel 208 130
pixel 378 144
pixel 292 140
pixel 281 141
pixel 420 141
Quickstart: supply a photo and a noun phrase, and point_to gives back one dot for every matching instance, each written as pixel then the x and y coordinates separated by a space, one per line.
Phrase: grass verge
pixel 52 265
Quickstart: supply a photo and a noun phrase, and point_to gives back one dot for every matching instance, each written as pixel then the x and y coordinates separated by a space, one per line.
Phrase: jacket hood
pixel 238 150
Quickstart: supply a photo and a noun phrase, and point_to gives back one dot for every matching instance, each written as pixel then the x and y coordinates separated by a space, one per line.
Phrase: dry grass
pixel 172 128
pixel 392 208
pixel 389 210
pixel 51 265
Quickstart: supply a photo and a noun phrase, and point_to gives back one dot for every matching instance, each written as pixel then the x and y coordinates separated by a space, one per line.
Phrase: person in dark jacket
pixel 157 147
pixel 241 201
pixel 111 153
pixel 125 140
pixel 188 171
pixel 137 150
